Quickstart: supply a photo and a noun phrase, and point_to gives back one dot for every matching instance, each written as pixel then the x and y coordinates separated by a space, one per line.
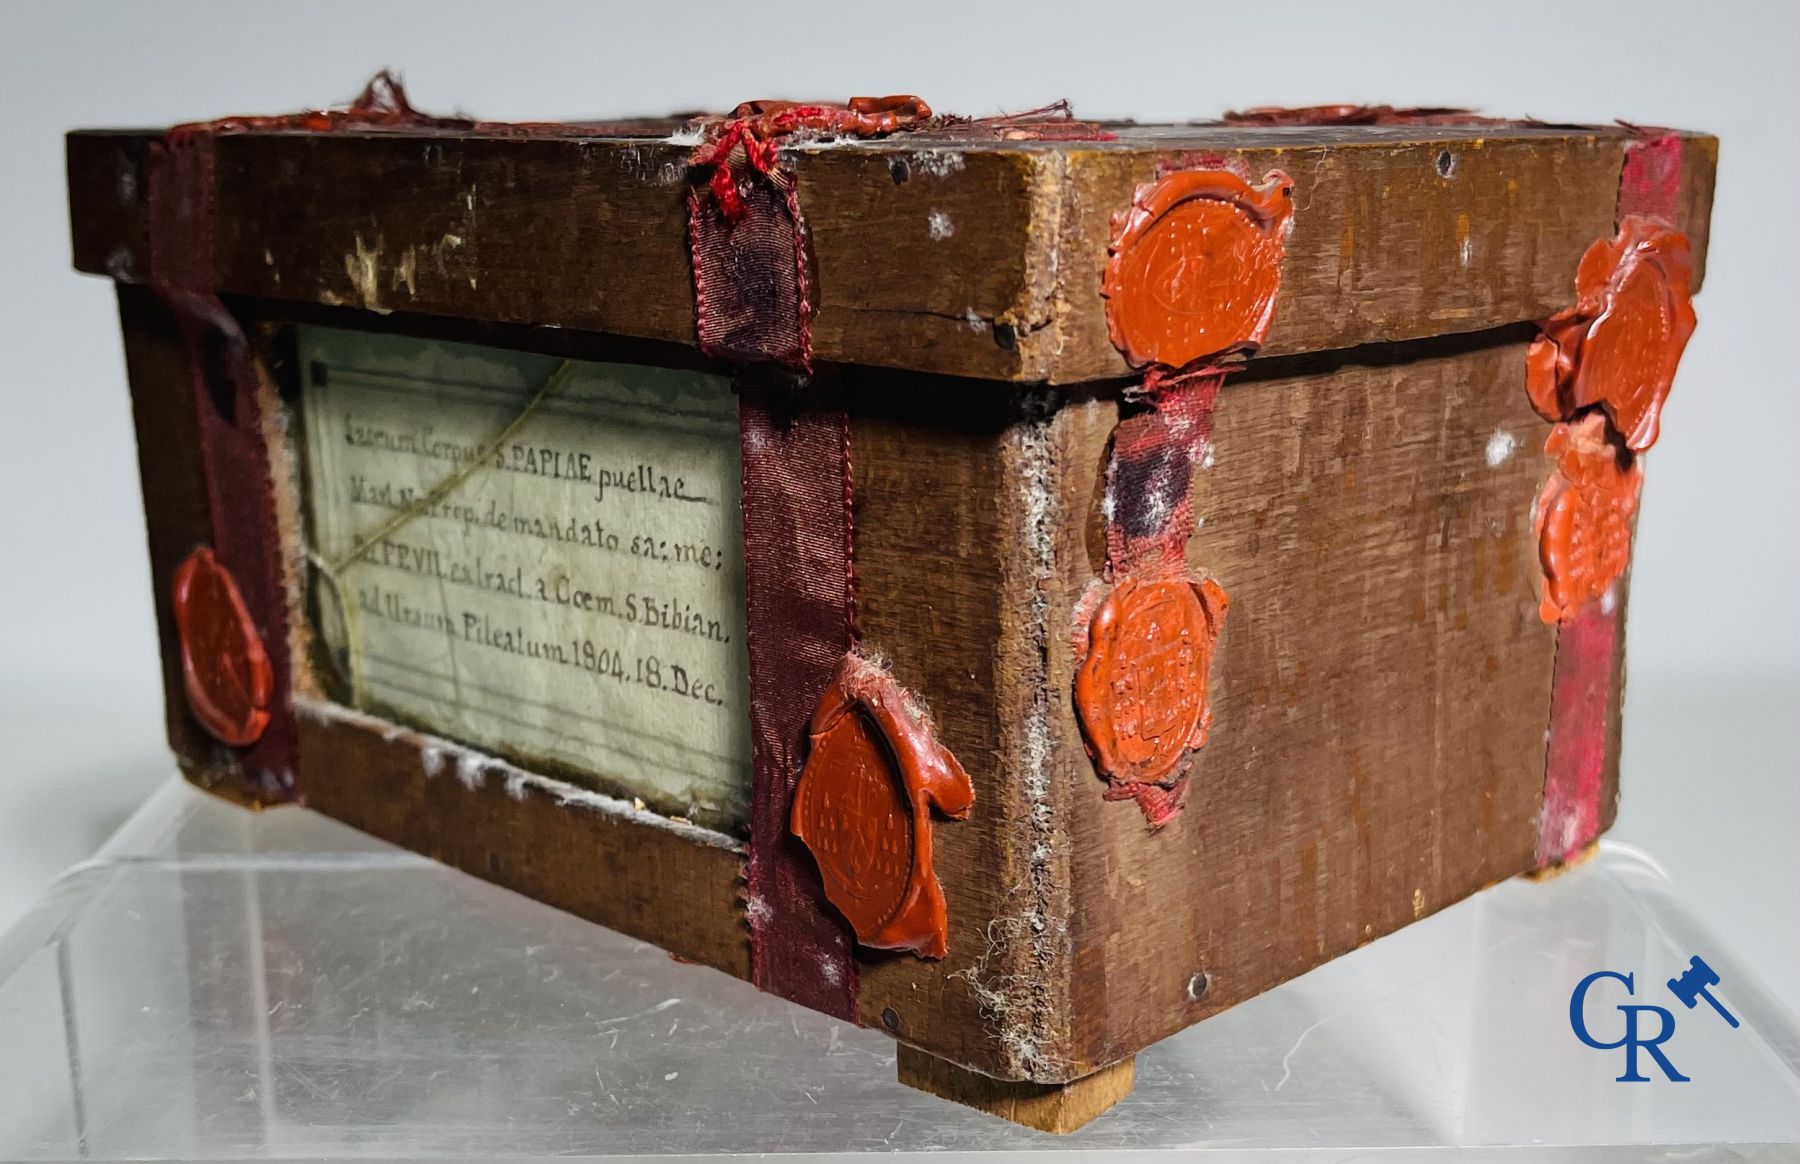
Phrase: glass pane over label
pixel 575 602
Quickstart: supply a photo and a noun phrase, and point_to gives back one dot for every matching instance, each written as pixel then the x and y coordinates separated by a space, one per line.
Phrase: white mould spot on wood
pixel 405 273
pixel 119 264
pixel 1021 944
pixel 938 163
pixel 974 320
pixel 363 266
pixel 941 226
pixel 648 170
pixel 1466 252
pixel 471 770
pixel 1500 448
pixel 688 136
pixel 435 752
pixel 439 252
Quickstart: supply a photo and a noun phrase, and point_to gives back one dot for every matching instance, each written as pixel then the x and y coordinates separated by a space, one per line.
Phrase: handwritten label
pixel 578 602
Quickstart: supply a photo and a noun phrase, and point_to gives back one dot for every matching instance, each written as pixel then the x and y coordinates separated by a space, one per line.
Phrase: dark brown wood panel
pixel 1381 691
pixel 977 259
pixel 1615 712
pixel 545 232
pixel 177 514
pixel 932 543
pixel 1390 242
pixel 1699 168
pixel 106 203
pixel 647 880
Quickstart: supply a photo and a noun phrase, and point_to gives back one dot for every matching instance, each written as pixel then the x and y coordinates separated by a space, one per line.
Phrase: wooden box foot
pixel 1058 1108
pixel 1557 868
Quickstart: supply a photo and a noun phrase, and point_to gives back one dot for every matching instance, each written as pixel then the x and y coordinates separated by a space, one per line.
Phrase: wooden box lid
pixel 932 250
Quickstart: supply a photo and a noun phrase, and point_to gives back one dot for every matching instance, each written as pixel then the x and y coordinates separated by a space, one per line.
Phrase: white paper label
pixel 578 602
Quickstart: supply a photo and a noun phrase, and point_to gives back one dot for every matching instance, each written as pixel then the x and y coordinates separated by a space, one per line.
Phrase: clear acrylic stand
pixel 219 984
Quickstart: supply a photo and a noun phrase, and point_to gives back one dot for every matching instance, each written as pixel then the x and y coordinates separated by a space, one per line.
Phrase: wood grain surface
pixel 935 541
pixel 978 259
pixel 1381 690
pixel 177 514
pixel 1057 1108
pixel 639 878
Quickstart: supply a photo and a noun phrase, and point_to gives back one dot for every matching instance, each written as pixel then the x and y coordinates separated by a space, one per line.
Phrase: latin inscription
pixel 577 599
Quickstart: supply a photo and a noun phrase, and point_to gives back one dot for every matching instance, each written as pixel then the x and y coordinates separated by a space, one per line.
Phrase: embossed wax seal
pixel 224 666
pixel 1195 266
pixel 1618 347
pixel 1584 516
pixel 1141 690
pixel 863 807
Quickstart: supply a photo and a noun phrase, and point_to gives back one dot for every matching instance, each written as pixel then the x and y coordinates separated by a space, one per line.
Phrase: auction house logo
pixel 1646 1027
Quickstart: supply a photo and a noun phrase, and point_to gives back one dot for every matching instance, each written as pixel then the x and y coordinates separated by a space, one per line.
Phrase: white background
pixel 1712 785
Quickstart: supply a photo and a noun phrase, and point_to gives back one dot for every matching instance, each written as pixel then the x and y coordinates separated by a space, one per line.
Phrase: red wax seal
pixel 1584 516
pixel 863 806
pixel 224 665
pixel 1195 266
pixel 1619 345
pixel 858 117
pixel 1141 691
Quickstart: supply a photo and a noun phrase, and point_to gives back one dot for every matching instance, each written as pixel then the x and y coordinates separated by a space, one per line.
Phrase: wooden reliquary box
pixel 1022 584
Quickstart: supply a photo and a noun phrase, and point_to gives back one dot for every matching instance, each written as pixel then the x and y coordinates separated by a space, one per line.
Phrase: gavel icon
pixel 1690 986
